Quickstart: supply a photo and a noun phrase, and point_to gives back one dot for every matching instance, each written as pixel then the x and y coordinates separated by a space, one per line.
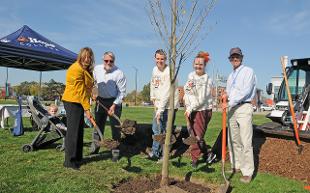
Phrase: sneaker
pixel 194 164
pixel 246 179
pixel 211 157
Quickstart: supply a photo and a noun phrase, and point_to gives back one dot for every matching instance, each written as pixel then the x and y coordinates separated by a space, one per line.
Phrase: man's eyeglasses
pixel 231 58
pixel 106 61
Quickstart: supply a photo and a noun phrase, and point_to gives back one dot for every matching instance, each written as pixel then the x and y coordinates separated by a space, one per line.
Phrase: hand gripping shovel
pixel 128 127
pixel 105 143
pixel 224 187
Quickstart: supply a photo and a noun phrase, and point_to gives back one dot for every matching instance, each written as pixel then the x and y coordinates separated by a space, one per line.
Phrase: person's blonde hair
pixel 52 106
pixel 84 52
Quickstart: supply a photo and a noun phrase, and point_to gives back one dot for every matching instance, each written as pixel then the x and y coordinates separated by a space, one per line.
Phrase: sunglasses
pixel 106 61
pixel 231 58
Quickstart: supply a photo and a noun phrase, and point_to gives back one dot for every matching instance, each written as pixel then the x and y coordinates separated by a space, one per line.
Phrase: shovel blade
pixel 224 188
pixel 191 140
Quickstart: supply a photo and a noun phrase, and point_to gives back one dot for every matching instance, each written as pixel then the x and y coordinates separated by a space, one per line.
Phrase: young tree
pixel 186 20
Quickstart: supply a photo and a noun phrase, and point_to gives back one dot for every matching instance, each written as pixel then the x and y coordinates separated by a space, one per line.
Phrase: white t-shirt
pixel 197 92
pixel 159 89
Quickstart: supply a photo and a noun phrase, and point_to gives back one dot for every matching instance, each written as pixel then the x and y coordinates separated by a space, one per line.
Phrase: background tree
pixel 130 97
pixel 178 23
pixel 49 91
pixel 145 93
pixel 26 88
pixel 52 90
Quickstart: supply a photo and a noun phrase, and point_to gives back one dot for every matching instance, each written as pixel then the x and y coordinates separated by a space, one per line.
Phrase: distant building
pixel 3 92
pixel 276 83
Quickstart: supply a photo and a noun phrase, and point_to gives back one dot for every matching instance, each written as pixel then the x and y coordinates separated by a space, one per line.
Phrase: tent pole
pixel 7 84
pixel 40 83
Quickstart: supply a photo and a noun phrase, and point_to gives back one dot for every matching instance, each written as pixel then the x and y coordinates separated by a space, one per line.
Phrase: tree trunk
pixel 165 167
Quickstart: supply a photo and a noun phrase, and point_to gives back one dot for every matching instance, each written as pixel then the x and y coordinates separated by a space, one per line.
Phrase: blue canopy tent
pixel 27 49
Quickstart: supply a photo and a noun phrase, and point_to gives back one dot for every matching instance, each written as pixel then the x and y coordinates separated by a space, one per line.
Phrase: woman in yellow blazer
pixel 76 99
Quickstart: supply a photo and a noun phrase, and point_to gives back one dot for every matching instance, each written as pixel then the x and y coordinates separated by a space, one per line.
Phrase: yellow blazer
pixel 78 86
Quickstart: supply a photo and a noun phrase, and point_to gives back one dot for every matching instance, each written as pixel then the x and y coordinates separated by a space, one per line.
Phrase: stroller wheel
pixel 27 148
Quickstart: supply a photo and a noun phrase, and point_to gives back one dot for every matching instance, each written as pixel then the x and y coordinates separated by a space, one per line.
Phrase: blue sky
pixel 264 30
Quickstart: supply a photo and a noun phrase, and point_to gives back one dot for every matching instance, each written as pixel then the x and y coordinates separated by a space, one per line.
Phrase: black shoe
pixel 194 164
pixel 151 157
pixel 74 166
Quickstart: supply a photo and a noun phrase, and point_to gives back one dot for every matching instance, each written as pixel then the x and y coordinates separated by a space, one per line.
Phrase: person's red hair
pixel 204 55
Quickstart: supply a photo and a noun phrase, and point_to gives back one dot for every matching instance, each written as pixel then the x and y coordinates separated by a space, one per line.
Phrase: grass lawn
pixel 42 170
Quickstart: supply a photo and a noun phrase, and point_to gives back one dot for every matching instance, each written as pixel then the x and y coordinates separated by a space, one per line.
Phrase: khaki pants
pixel 240 135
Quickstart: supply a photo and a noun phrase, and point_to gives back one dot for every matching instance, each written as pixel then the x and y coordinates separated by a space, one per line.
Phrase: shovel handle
pixel 291 104
pixel 106 109
pixel 224 131
pixel 92 120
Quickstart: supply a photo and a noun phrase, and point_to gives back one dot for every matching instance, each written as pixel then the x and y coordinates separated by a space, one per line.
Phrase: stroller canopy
pixel 27 49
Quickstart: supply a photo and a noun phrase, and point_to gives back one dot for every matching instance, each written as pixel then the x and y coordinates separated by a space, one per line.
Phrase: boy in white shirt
pixel 198 104
pixel 159 94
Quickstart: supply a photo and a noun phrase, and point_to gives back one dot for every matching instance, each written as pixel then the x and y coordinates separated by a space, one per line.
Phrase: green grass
pixel 42 170
pixel 8 101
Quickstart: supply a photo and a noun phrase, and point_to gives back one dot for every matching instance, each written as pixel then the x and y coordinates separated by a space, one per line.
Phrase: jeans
pixel 159 129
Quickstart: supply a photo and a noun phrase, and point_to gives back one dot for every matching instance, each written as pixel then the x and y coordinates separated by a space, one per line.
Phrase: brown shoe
pixel 233 171
pixel 246 179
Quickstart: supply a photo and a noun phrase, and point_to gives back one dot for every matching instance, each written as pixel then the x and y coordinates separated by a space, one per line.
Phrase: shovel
pixel 224 187
pixel 291 105
pixel 110 144
pixel 161 137
pixel 192 139
pixel 128 127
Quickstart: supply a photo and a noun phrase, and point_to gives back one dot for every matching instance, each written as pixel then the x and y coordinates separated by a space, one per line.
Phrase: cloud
pixel 295 24
pixel 112 23
pixel 10 23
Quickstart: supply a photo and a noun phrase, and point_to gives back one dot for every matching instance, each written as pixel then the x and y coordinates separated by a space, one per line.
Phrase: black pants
pixel 101 116
pixel 75 132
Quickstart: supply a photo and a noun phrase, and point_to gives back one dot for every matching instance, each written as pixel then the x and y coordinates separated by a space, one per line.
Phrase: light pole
pixel 136 84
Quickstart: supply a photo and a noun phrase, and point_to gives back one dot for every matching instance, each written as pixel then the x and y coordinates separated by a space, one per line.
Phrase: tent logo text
pixel 35 42
pixel 5 40
pixel 22 39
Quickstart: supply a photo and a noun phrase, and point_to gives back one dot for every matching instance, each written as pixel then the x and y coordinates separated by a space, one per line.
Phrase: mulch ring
pixel 272 155
pixel 152 185
pixel 280 157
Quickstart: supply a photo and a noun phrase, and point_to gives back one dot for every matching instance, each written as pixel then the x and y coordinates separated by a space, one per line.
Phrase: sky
pixel 265 30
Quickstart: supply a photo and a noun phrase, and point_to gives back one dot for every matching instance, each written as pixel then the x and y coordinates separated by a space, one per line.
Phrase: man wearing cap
pixel 111 84
pixel 241 89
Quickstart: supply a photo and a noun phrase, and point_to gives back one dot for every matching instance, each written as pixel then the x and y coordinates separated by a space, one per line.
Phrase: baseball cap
pixel 235 50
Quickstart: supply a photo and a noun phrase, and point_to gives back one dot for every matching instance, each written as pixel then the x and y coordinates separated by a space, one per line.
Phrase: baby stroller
pixel 51 129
